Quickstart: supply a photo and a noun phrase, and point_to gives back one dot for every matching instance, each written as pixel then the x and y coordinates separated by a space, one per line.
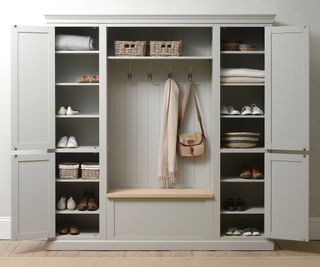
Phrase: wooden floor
pixel 36 249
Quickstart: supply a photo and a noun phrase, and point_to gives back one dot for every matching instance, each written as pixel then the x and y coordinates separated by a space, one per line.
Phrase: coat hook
pixel 170 72
pixel 190 74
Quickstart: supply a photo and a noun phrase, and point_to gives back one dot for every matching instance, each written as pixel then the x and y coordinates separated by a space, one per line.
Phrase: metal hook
pixel 190 74
pixel 170 72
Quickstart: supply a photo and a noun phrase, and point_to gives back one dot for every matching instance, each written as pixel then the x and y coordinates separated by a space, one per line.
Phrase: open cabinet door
pixel 33 132
pixel 287 133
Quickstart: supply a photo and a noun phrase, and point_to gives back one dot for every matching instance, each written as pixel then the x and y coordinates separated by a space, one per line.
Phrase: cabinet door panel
pixel 287 178
pixel 33 196
pixel 287 83
pixel 33 97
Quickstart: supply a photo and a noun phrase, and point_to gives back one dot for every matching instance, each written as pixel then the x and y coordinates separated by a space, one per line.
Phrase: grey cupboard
pixel 119 124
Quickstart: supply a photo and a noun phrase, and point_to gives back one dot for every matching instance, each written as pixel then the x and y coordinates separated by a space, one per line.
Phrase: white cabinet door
pixel 287 182
pixel 287 88
pixel 33 98
pixel 33 196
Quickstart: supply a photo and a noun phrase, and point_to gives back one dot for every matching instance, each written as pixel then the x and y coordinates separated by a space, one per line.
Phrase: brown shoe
pixel 246 173
pixel 74 230
pixel 256 174
pixel 92 204
pixel 64 230
pixel 84 202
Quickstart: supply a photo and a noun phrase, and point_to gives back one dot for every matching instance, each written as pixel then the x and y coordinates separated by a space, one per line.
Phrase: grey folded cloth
pixel 74 42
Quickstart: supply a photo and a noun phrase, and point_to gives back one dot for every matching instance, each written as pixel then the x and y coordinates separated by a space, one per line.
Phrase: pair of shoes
pixel 233 231
pixel 252 231
pixel 73 229
pixel 229 110
pixel 70 142
pixel 253 110
pixel 251 173
pixel 63 204
pixel 67 111
pixel 88 202
pixel 235 205
pixel 87 79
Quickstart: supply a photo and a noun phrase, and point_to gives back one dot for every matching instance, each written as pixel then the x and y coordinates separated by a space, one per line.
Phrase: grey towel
pixel 74 42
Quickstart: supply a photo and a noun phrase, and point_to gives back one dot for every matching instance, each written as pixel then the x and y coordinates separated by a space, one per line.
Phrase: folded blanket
pixel 241 80
pixel 74 42
pixel 242 72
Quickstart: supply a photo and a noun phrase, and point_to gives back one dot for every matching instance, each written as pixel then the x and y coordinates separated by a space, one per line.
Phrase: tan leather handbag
pixel 191 144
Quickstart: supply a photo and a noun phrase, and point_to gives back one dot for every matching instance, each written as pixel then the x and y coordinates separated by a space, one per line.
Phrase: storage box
pixel 69 170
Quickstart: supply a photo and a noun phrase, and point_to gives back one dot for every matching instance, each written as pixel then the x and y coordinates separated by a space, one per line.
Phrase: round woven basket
pixel 240 139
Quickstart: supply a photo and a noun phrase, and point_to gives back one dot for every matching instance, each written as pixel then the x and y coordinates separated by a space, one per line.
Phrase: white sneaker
pixel 233 111
pixel 72 142
pixel 63 142
pixel 71 204
pixel 256 110
pixel 224 110
pixel 62 111
pixel 70 111
pixel 61 204
pixel 246 110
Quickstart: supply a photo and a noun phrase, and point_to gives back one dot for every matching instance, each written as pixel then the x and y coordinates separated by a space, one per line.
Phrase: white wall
pixel 289 12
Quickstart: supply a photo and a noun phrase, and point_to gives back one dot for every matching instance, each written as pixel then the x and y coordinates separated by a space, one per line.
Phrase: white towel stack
pixel 242 75
pixel 74 42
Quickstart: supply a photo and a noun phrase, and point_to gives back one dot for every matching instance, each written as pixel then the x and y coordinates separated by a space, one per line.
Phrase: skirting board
pixel 314 228
pixel 5 227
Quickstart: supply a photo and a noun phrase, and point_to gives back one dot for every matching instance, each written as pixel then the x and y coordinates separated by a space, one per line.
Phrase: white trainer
pixel 63 142
pixel 70 111
pixel 224 110
pixel 62 111
pixel 246 110
pixel 61 204
pixel 71 204
pixel 72 142
pixel 233 111
pixel 256 110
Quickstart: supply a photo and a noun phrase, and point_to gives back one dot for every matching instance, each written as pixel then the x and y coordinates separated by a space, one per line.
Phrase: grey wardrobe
pixel 119 127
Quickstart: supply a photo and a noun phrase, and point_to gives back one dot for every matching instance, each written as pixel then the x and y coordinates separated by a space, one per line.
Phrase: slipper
pixel 256 174
pixel 84 79
pixel 94 79
pixel 229 205
pixel 237 232
pixel 255 232
pixel 247 232
pixel 246 173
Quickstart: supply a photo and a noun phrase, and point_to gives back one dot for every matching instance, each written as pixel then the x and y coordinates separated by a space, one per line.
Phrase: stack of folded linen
pixel 242 75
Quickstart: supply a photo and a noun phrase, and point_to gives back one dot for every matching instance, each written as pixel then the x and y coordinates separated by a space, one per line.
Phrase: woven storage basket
pixel 68 170
pixel 130 48
pixel 165 48
pixel 240 139
pixel 88 171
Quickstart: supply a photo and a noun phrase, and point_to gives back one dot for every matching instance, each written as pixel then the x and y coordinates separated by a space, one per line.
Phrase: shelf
pixel 243 238
pixel 242 84
pixel 242 116
pixel 243 150
pixel 77 84
pixel 94 52
pixel 156 193
pixel 160 58
pixel 258 52
pixel 80 180
pixel 80 116
pixel 77 212
pixel 80 149
pixel 81 236
pixel 240 180
pixel 250 210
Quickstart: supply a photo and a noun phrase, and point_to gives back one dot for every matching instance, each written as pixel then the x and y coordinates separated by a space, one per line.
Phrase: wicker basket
pixel 165 48
pixel 240 139
pixel 130 48
pixel 90 170
pixel 68 170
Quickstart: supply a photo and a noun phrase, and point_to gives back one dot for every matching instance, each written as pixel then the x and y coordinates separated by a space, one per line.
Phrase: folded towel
pixel 69 165
pixel 241 80
pixel 74 42
pixel 241 72
pixel 90 166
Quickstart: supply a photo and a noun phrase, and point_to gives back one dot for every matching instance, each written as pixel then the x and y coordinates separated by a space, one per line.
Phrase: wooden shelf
pixel 250 210
pixel 257 52
pixel 81 236
pixel 160 58
pixel 156 193
pixel 94 52
pixel 243 150
pixel 80 149
pixel 242 116
pixel 77 84
pixel 242 84
pixel 80 180
pixel 240 180
pixel 80 116
pixel 77 212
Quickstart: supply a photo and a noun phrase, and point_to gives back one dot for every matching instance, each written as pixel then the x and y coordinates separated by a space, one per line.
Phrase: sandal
pixel 256 174
pixel 241 205
pixel 229 204
pixel 94 79
pixel 246 173
pixel 84 79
